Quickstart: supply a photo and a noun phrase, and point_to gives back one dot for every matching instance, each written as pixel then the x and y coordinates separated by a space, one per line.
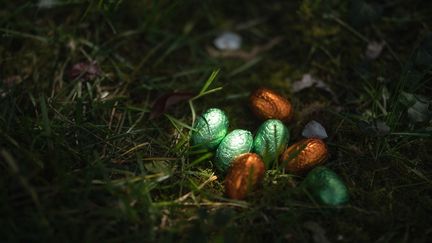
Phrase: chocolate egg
pixel 268 104
pixel 270 140
pixel 304 155
pixel 325 186
pixel 235 143
pixel 210 128
pixel 246 172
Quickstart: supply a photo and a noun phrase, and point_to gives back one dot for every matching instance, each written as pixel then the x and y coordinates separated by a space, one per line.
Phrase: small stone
pixel 374 49
pixel 228 41
pixel 314 129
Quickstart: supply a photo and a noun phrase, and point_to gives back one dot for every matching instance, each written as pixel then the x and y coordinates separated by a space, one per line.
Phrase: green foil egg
pixel 270 140
pixel 235 143
pixel 210 128
pixel 326 187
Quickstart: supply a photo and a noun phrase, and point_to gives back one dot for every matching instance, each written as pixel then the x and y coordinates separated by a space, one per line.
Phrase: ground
pixel 86 156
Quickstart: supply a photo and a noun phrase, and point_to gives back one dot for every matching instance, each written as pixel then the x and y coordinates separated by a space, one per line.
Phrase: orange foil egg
pixel 304 155
pixel 268 104
pixel 245 173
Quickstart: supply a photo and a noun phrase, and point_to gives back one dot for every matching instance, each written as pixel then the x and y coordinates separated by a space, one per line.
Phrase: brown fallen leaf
pixel 374 49
pixel 85 70
pixel 309 81
pixel 318 232
pixel 167 100
pixel 8 83
pixel 11 81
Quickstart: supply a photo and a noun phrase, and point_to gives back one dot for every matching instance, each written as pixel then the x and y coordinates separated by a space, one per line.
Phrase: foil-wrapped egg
pixel 304 155
pixel 235 143
pixel 325 186
pixel 210 128
pixel 267 104
pixel 270 140
pixel 246 172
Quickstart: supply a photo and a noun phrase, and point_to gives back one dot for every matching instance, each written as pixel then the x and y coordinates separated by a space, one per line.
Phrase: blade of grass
pixel 209 81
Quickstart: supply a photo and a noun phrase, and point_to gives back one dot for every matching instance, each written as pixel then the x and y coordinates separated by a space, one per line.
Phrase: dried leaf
pixel 309 81
pixel 417 106
pixel 363 13
pixel 250 23
pixel 423 56
pixel 228 41
pixel 377 128
pixel 318 233
pixel 85 70
pixel 382 128
pixel 419 112
pixel 11 81
pixel 314 130
pixel 47 3
pixel 374 49
pixel 165 101
pixel 8 83
pixel 407 99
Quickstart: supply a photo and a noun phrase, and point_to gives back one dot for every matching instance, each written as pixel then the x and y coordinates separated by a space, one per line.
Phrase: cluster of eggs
pixel 244 158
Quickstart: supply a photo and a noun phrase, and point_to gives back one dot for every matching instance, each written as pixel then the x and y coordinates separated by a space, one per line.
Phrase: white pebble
pixel 314 130
pixel 228 41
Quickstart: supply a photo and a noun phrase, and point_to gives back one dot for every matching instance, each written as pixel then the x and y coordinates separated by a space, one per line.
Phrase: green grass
pixel 82 162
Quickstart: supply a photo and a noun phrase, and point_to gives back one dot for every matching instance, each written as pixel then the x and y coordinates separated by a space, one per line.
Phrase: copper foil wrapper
pixel 268 104
pixel 304 155
pixel 245 173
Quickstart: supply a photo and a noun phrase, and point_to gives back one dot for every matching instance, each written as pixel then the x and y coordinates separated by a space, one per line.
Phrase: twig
pixel 184 197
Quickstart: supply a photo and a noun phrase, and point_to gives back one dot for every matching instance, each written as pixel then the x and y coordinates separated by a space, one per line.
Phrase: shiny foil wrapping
pixel 210 128
pixel 270 140
pixel 326 187
pixel 268 104
pixel 304 155
pixel 234 144
pixel 245 173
